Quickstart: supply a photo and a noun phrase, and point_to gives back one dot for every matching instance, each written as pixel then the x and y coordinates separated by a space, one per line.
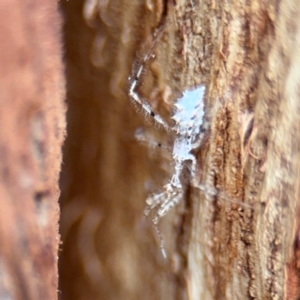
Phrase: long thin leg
pixel 211 191
pixel 162 203
pixel 134 83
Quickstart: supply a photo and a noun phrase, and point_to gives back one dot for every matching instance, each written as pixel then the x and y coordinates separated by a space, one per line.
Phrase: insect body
pixel 188 118
pixel 189 128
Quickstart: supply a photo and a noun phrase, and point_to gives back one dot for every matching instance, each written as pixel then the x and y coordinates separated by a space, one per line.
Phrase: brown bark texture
pixel 32 118
pixel 240 242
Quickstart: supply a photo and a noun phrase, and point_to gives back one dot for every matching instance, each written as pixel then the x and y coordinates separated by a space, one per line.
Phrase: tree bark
pixel 238 243
pixel 31 134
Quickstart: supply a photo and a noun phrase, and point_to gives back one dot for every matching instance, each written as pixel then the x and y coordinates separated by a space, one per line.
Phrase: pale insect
pixel 188 118
pixel 189 130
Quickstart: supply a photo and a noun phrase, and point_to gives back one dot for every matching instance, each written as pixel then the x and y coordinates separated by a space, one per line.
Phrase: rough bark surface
pixel 31 133
pixel 239 244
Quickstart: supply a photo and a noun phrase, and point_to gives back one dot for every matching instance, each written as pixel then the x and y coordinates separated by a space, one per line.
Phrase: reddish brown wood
pixel 31 134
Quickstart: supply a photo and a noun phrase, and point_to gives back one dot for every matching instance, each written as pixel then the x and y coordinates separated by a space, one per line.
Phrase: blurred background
pixel 109 249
